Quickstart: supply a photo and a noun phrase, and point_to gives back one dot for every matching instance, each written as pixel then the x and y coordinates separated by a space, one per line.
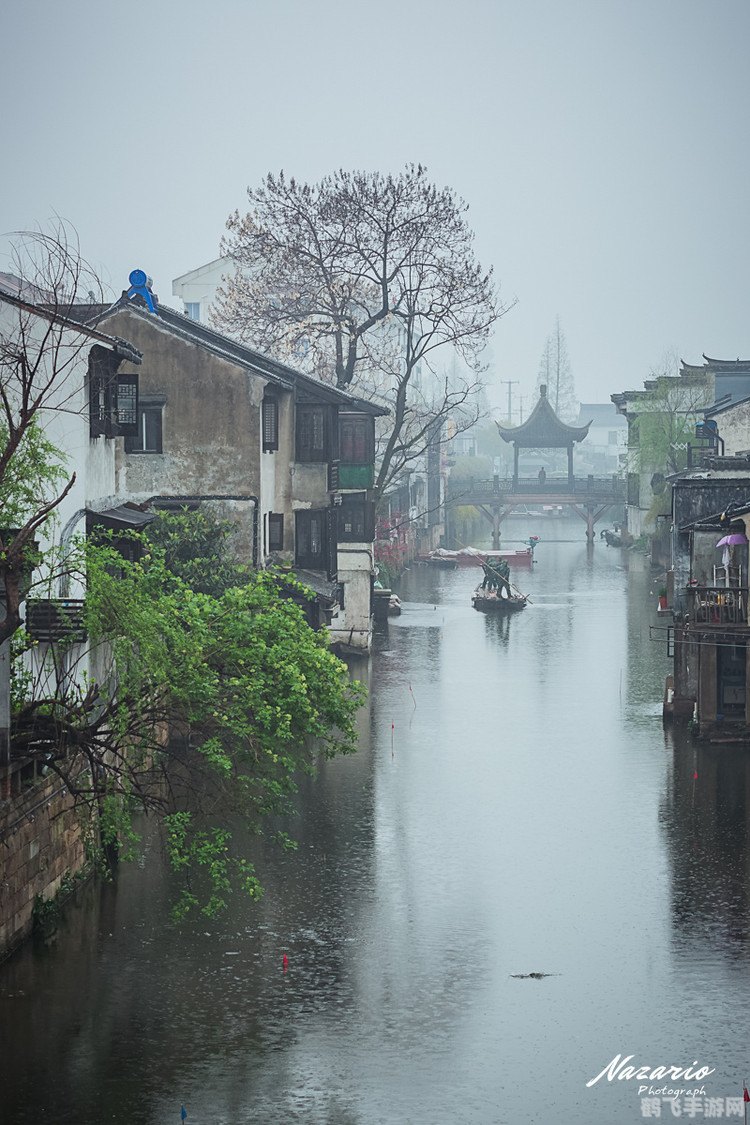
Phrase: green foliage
pixel 193 850
pixel 31 477
pixel 260 693
pixel 659 434
pixel 208 698
pixel 388 573
pixel 47 912
pixel 197 548
pixel 116 811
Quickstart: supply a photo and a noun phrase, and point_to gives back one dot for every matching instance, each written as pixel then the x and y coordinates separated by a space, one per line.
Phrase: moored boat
pixel 470 556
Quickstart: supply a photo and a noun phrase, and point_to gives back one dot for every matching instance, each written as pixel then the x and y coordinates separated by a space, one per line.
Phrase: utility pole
pixel 509 383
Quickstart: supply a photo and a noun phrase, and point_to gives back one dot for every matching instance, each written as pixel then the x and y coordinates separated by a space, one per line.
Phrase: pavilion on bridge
pixel 543 430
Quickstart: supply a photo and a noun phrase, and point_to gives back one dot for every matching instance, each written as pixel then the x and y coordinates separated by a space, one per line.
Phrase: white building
pixel 83 405
pixel 197 289
pixel 603 451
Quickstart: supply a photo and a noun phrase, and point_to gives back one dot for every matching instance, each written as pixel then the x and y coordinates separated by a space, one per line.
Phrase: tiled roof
pixel 71 320
pixel 543 429
pixel 195 332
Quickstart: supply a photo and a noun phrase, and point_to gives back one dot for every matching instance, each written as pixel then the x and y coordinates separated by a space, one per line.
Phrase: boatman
pixel 496 577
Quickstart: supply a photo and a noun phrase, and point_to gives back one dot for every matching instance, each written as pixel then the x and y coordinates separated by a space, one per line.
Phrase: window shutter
pixel 275 531
pixel 270 415
pixel 127 405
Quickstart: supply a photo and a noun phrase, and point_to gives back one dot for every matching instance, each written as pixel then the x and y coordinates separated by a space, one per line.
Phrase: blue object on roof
pixel 140 286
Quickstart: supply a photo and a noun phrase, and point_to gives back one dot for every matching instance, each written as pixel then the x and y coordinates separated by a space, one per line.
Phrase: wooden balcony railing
pixel 718 605
pixel 56 619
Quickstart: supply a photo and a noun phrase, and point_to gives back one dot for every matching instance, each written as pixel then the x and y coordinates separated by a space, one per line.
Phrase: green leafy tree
pixel 198 548
pixel 204 710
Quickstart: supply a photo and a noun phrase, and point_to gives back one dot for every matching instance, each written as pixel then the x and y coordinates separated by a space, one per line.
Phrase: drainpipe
pixel 66 535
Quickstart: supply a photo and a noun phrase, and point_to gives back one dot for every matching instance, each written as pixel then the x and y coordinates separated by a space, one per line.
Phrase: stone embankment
pixel 40 844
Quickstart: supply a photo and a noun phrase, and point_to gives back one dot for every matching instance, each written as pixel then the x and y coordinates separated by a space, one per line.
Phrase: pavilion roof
pixel 543 429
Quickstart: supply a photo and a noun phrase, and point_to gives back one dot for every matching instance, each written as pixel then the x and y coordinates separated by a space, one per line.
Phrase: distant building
pixel 732 421
pixel 197 289
pixel 709 596
pixel 680 401
pixel 603 451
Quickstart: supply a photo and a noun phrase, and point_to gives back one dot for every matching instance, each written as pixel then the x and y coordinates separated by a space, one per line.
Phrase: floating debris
pixel 532 976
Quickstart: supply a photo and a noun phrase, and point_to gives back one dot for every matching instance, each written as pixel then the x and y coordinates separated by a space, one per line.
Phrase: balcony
pixel 717 605
pixel 55 620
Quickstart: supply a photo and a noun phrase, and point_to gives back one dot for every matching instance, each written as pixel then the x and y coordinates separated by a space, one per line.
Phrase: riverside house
pixel 288 459
pixel 87 404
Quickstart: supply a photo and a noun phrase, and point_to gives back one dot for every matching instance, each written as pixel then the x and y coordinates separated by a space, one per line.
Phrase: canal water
pixel 515 807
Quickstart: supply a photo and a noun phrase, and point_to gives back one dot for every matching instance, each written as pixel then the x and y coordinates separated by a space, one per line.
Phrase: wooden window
pixel 127 405
pixel 357 439
pixel 275 531
pixel 113 398
pixel 311 528
pixel 312 433
pixel 270 415
pixel 356 519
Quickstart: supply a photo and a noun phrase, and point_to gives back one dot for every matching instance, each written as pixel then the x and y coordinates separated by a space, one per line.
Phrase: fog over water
pixel 515 807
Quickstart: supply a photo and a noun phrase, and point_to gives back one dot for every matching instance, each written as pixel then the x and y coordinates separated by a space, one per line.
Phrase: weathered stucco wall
pixel 310 485
pixel 211 438
pixel 211 419
pixel 40 842
pixel 734 428
pixel 276 478
pixel 353 626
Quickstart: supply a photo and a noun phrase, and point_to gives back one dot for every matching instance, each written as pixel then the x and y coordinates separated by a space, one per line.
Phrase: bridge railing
pixel 596 488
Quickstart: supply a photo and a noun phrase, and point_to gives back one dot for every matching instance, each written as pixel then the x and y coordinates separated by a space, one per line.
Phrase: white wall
pixel 734 428
pixel 200 285
pixel 62 357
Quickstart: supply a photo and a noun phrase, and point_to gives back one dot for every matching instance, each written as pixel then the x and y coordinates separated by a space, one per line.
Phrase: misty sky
pixel 602 146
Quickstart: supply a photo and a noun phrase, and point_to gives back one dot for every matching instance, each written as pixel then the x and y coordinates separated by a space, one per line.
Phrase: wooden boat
pixel 489 601
pixel 470 556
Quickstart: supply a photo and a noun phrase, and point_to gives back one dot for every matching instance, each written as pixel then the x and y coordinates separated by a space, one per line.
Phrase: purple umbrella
pixel 732 540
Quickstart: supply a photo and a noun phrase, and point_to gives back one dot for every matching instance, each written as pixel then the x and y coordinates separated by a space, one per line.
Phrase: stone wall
pixel 40 842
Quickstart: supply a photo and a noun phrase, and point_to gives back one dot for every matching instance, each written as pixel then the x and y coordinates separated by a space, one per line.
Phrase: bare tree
pixel 362 278
pixel 40 356
pixel 555 373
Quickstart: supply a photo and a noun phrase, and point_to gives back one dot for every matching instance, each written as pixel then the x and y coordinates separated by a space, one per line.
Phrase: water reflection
pixel 705 816
pixel 514 807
